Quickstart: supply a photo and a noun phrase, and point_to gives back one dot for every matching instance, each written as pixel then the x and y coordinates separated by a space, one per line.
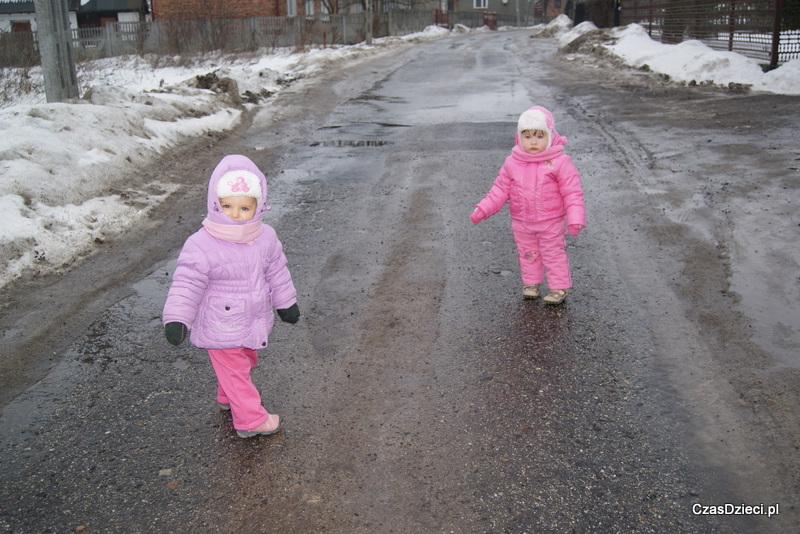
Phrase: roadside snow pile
pixel 554 28
pixel 784 79
pixel 697 61
pixel 690 62
pixel 570 36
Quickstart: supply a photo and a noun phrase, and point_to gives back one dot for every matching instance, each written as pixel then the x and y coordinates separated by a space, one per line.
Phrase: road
pixel 421 393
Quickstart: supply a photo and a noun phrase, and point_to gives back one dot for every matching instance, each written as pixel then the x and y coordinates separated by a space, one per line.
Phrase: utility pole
pixel 55 49
pixel 369 22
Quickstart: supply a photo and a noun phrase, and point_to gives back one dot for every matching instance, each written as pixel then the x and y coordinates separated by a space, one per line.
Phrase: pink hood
pixel 224 290
pixel 234 162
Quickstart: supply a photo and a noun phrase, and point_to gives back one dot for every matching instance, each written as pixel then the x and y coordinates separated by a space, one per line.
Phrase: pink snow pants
pixel 235 387
pixel 542 247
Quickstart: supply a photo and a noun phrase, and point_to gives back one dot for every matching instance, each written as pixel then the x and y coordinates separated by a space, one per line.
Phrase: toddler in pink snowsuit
pixel 543 189
pixel 231 274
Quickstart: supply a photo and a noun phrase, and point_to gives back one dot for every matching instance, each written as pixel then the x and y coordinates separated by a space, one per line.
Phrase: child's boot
pixel 270 426
pixel 530 291
pixel 556 296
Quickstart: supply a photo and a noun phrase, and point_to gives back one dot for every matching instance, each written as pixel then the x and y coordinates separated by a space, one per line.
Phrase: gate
pixel 441 18
pixel 490 20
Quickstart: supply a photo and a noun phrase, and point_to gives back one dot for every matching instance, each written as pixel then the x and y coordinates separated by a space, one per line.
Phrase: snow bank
pixel 690 62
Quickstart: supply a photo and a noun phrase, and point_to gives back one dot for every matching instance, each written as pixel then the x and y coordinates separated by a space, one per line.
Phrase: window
pixel 291 8
pixel 481 4
pixel 21 26
pixel 309 7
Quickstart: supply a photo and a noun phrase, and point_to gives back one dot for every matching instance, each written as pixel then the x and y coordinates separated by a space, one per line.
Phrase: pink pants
pixel 235 387
pixel 541 247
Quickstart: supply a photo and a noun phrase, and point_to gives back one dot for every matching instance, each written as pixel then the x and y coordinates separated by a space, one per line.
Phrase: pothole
pixel 340 143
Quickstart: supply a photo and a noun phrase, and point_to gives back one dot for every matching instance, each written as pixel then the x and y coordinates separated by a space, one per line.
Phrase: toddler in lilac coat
pixel 231 274
pixel 543 190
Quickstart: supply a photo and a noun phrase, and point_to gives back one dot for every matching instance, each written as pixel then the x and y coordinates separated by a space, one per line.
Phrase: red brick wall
pixel 205 9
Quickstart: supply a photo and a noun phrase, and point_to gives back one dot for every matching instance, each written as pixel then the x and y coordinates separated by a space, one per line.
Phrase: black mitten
pixel 175 332
pixel 290 314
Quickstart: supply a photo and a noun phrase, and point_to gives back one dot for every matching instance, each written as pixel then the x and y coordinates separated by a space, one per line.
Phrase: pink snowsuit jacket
pixel 538 187
pixel 225 292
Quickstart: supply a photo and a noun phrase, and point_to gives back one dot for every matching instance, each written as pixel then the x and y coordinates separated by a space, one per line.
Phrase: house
pixel 20 15
pixel 96 13
pixel 529 11
pixel 221 9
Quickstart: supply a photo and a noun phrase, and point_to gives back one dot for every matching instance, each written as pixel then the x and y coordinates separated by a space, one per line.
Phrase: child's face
pixel 239 208
pixel 533 141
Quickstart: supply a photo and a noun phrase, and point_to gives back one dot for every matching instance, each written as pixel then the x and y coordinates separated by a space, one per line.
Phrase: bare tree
pixel 332 6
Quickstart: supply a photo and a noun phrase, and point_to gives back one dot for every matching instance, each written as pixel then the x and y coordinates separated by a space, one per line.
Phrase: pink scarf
pixel 544 155
pixel 235 233
pixel 556 149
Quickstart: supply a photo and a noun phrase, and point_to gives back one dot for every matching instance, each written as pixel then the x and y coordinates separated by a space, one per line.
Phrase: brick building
pixel 221 9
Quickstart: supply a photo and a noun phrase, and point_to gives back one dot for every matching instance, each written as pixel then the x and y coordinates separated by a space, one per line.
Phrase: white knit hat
pixel 239 183
pixel 534 119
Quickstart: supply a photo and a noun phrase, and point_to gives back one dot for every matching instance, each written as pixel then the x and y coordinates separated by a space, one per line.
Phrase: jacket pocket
pixel 226 318
pixel 551 198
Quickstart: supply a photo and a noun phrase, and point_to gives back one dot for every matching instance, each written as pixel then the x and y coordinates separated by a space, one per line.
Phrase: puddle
pixel 380 98
pixel 383 124
pixel 341 143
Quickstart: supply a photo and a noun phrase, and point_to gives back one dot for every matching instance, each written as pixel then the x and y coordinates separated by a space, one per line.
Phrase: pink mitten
pixel 477 216
pixel 574 229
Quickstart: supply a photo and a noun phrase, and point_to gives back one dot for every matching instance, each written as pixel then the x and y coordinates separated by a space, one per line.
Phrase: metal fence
pixel 177 37
pixel 754 28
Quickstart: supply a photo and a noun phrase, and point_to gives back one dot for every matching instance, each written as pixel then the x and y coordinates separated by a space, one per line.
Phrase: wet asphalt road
pixel 420 392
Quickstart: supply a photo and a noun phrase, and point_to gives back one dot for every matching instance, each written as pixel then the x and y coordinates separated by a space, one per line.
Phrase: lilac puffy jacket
pixel 225 292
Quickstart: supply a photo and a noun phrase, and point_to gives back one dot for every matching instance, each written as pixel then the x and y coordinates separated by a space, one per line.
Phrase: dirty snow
pixel 690 61
pixel 63 165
